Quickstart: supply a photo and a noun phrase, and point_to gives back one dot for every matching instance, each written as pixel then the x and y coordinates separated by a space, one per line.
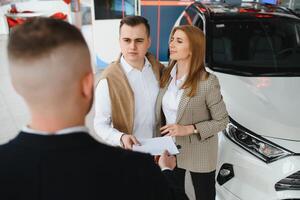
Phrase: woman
pixel 190 108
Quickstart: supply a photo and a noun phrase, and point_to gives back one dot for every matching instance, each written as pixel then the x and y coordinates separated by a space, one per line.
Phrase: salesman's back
pixel 54 157
pixel 74 166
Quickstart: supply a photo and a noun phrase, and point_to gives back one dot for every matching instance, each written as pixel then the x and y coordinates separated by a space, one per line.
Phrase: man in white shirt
pixel 128 88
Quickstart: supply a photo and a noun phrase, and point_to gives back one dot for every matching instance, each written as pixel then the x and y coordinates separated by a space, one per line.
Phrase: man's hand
pixel 128 141
pixel 167 161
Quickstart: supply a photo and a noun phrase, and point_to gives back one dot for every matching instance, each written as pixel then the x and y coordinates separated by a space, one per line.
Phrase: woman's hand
pixel 176 130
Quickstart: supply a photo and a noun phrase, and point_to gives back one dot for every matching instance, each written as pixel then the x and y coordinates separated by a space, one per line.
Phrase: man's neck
pixel 53 124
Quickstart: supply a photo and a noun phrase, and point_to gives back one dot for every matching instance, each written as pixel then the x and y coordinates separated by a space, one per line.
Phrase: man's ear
pixel 87 85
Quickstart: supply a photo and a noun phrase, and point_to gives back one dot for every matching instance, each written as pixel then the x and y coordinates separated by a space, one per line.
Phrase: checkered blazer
pixel 207 111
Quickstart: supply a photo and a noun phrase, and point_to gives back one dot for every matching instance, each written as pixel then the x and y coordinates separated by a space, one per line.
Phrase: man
pixel 54 157
pixel 127 90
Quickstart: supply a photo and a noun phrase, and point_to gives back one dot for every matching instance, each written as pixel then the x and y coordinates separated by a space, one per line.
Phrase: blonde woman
pixel 191 109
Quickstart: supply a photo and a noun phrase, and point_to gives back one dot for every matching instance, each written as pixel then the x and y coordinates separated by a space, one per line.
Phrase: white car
pixel 254 50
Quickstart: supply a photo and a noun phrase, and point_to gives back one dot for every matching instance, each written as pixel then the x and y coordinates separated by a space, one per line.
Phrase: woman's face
pixel 179 46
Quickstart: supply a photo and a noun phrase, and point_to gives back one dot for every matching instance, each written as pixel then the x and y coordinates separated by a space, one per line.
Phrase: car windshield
pixel 262 45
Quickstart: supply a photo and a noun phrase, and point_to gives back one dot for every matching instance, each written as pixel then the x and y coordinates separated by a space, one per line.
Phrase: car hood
pixel 268 106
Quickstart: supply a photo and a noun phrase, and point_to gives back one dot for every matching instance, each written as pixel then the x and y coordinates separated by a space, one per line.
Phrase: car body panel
pixel 268 106
pixel 253 178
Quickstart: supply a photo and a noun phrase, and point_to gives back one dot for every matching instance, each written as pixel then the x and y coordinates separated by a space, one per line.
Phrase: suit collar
pixel 76 139
pixel 158 106
pixel 182 104
pixel 59 132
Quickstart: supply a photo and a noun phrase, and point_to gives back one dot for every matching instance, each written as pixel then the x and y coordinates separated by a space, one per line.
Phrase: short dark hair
pixel 39 36
pixel 134 21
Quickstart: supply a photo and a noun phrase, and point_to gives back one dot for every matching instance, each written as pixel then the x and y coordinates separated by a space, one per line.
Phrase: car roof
pixel 218 10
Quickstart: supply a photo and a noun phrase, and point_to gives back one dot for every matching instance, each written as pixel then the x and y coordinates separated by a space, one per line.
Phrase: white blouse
pixel 171 98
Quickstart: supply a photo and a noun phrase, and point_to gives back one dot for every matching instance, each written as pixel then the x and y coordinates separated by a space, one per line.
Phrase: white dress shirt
pixel 59 132
pixel 171 98
pixel 145 89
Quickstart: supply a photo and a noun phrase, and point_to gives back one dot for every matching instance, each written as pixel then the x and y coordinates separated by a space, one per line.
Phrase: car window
pixel 264 45
pixel 285 3
pixel 293 4
pixel 297 6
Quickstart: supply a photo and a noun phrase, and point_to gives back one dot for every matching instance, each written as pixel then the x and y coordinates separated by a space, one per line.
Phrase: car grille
pixel 291 182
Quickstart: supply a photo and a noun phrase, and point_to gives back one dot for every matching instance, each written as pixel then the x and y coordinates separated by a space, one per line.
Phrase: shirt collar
pixel 147 63
pixel 59 132
pixel 173 71
pixel 128 68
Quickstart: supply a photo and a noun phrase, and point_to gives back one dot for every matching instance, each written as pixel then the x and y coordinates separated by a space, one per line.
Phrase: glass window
pixel 264 45
pixel 285 3
pixel 113 9
pixel 297 6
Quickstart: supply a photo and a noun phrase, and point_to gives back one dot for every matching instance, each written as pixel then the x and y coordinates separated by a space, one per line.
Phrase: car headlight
pixel 255 144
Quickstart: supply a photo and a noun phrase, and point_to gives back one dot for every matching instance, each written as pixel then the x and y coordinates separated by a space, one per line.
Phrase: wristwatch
pixel 195 131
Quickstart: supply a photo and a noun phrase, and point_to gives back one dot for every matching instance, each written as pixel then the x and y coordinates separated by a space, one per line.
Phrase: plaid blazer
pixel 207 111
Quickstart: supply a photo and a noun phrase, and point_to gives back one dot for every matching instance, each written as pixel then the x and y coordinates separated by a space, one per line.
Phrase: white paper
pixel 156 146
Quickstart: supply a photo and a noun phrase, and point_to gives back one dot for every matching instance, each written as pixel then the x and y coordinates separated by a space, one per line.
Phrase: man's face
pixel 134 43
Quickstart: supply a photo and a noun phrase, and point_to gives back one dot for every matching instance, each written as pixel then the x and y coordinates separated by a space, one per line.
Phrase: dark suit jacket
pixel 75 166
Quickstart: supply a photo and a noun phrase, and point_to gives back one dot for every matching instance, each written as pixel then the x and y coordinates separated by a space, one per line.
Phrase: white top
pixel 171 98
pixel 59 132
pixel 145 88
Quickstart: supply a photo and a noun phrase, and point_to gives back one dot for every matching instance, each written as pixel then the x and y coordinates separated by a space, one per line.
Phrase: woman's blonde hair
pixel 197 47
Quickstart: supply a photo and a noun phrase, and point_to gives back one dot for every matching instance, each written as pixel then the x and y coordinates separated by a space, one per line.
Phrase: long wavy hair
pixel 197 68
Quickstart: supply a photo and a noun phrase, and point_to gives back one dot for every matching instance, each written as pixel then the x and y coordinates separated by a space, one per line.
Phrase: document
pixel 156 146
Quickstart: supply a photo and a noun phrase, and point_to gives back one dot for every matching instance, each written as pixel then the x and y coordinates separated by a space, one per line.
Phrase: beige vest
pixel 121 95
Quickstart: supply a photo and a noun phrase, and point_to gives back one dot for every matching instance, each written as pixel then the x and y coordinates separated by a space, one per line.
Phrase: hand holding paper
pixel 166 161
pixel 156 146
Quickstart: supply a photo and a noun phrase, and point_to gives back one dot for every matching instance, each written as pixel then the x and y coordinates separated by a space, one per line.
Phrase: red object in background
pixel 59 15
pixel 27 11
pixel 248 10
pixel 13 22
pixel 67 1
pixel 17 21
pixel 263 16
pixel 13 9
